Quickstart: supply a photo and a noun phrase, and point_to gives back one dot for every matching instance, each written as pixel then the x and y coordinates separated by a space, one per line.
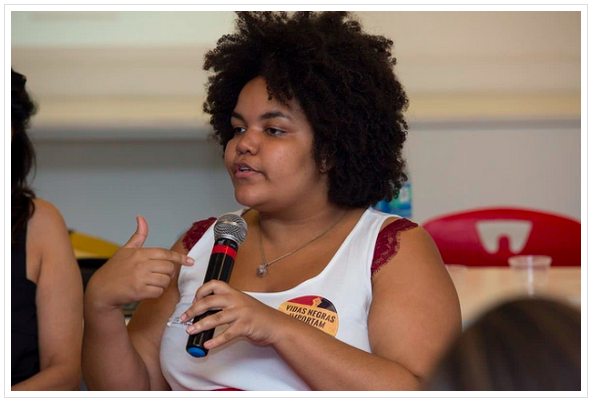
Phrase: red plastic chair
pixel 460 237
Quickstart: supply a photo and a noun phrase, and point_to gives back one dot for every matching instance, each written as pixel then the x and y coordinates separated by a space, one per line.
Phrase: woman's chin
pixel 246 199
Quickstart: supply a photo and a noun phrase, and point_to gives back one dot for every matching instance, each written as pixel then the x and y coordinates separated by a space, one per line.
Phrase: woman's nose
pixel 248 142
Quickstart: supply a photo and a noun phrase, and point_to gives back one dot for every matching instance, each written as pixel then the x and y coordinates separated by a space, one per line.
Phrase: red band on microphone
pixel 224 249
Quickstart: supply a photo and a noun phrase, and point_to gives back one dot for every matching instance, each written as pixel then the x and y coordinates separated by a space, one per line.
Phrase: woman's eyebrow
pixel 266 116
pixel 238 116
pixel 275 114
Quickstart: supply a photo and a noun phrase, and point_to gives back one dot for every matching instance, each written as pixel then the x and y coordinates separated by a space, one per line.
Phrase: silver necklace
pixel 262 269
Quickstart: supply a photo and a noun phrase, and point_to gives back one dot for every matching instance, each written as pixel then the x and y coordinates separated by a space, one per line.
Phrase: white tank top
pixel 336 301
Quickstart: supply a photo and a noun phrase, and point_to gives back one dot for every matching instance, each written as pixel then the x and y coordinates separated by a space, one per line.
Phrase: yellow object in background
pixel 86 246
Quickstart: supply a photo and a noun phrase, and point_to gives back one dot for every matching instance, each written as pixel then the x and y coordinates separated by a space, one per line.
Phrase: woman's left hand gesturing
pixel 246 316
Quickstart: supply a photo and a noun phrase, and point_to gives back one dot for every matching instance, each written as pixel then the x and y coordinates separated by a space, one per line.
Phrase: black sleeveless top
pixel 24 347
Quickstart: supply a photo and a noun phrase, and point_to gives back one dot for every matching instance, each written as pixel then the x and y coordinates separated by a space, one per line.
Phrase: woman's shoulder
pixel 389 222
pixel 46 218
pixel 388 241
pixel 48 242
pixel 397 223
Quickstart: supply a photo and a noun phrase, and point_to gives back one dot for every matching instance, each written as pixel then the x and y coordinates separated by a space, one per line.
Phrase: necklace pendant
pixel 262 270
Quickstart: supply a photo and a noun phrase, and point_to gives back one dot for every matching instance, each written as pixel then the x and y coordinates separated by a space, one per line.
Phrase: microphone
pixel 230 231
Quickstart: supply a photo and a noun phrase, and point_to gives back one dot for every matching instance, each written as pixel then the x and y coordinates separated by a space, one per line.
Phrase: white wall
pixel 464 166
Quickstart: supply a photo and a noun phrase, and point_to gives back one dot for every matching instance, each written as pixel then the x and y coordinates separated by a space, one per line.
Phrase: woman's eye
pixel 238 130
pixel 274 131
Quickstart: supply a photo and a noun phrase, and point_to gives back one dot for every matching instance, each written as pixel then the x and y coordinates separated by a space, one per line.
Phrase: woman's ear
pixel 325 166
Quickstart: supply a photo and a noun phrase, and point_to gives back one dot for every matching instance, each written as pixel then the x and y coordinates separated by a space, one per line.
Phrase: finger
pixel 210 303
pixel 167 254
pixel 152 291
pixel 158 280
pixel 211 287
pixel 160 267
pixel 139 237
pixel 228 335
pixel 212 321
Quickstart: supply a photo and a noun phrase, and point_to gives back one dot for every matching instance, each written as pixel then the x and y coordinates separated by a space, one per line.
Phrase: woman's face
pixel 270 158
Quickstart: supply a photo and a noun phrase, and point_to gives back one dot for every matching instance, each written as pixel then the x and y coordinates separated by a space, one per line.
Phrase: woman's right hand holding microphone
pixel 133 273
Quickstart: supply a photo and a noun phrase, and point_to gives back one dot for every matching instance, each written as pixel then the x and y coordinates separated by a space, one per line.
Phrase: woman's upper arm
pixel 415 311
pixel 59 288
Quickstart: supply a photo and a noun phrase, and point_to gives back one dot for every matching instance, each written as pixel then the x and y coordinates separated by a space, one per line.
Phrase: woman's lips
pixel 243 170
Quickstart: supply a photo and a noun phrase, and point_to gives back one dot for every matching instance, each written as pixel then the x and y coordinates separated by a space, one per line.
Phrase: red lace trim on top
pixel 196 231
pixel 227 389
pixel 387 243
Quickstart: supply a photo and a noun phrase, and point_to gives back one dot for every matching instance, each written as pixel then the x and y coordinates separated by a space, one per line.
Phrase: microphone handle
pixel 219 268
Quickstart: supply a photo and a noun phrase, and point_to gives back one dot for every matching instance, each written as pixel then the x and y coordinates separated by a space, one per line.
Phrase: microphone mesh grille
pixel 231 226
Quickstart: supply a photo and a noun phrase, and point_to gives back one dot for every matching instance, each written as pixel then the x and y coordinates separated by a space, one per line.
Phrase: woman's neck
pixel 293 228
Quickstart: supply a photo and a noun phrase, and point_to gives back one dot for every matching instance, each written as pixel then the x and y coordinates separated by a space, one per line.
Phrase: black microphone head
pixel 231 226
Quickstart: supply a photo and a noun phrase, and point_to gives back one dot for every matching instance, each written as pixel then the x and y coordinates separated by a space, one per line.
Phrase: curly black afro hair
pixel 344 81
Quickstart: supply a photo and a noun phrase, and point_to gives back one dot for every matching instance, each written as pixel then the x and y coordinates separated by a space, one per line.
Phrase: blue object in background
pixel 401 205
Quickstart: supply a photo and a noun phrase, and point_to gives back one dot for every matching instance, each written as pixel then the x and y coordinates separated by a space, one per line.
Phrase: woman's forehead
pixel 255 98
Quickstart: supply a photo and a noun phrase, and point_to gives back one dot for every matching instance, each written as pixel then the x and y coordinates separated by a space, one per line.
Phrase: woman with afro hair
pixel 326 293
pixel 46 284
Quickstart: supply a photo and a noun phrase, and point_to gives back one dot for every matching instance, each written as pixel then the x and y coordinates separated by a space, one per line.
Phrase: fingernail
pixel 183 317
pixel 191 329
pixel 189 261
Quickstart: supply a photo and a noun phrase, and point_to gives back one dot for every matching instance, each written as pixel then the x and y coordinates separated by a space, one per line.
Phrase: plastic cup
pixel 531 272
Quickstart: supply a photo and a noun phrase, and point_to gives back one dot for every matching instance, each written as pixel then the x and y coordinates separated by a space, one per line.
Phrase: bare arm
pixel 58 300
pixel 112 358
pixel 414 314
pixel 414 302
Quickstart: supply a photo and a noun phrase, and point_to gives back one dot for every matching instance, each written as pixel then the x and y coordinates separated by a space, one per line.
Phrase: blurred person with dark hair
pixel 520 345
pixel 46 284
pixel 326 292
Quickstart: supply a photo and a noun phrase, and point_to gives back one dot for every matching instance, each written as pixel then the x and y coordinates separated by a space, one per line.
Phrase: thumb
pixel 139 237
